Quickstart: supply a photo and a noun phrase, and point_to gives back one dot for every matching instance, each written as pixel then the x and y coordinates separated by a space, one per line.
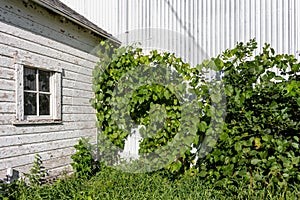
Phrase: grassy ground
pixel 111 184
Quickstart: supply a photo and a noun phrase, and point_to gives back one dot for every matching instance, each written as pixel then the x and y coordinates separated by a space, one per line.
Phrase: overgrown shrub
pixel 260 144
pixel 146 100
pixel 37 173
pixel 83 163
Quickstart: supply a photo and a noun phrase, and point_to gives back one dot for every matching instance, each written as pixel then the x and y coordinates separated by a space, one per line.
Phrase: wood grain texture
pixel 35 37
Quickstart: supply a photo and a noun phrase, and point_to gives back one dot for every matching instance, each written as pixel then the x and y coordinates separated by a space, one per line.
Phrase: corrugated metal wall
pixel 213 25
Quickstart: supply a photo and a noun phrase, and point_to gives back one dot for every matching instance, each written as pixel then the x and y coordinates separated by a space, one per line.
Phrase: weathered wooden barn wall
pixel 32 34
pixel 213 24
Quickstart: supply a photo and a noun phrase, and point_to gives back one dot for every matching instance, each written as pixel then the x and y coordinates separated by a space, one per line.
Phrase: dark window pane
pixel 29 79
pixel 29 103
pixel 44 104
pixel 44 78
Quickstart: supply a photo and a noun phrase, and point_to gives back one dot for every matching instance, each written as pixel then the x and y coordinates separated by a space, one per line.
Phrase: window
pixel 38 95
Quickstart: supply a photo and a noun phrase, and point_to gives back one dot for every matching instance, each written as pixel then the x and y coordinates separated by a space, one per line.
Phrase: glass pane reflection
pixel 44 104
pixel 30 104
pixel 29 79
pixel 44 81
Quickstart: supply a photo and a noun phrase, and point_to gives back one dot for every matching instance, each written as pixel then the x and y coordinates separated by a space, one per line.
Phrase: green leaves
pixel 262 120
pixel 229 90
pixel 83 162
pixel 203 126
pixel 255 161
pixel 121 66
pixel 260 141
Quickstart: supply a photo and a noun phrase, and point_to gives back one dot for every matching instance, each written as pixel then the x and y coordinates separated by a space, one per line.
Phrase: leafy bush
pixel 260 143
pixel 37 173
pixel 83 162
pixel 145 101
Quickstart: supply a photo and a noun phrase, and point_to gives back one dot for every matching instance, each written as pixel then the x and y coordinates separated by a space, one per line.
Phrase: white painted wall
pixel 39 37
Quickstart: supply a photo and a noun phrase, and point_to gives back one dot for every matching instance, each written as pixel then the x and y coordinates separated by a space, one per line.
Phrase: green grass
pixel 112 184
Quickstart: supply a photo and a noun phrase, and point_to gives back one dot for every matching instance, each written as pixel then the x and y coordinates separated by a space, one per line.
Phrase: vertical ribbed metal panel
pixel 214 24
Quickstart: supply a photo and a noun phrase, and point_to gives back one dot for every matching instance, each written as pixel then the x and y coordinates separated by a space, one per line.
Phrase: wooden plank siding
pixel 36 36
pixel 44 22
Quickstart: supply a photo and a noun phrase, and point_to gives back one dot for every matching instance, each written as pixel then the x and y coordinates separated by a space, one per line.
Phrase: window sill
pixel 36 122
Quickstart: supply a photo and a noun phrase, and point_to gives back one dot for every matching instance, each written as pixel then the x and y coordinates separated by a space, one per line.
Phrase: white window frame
pixel 55 97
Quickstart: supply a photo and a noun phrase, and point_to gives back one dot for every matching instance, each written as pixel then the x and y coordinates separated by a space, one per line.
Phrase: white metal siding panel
pixel 214 24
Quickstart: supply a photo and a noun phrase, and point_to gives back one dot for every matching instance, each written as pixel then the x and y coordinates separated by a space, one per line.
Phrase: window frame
pixel 55 97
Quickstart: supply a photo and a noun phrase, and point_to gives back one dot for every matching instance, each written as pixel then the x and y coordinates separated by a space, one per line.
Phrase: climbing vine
pixel 151 101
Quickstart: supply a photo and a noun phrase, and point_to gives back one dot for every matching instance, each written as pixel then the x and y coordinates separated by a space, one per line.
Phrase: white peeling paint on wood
pixel 34 37
pixel 38 20
pixel 24 162
pixel 24 22
pixel 19 85
pixel 7 96
pixel 50 44
pixel 76 101
pixel 29 138
pixel 57 98
pixel 7 85
pixel 68 127
pixel 61 162
pixel 33 148
pixel 77 109
pixel 6 60
pixel 72 91
pixel 78 117
pixel 36 59
pixel 40 49
pixel 78 76
pixel 57 167
pixel 77 84
pixel 6 118
pixel 8 107
pixel 6 73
